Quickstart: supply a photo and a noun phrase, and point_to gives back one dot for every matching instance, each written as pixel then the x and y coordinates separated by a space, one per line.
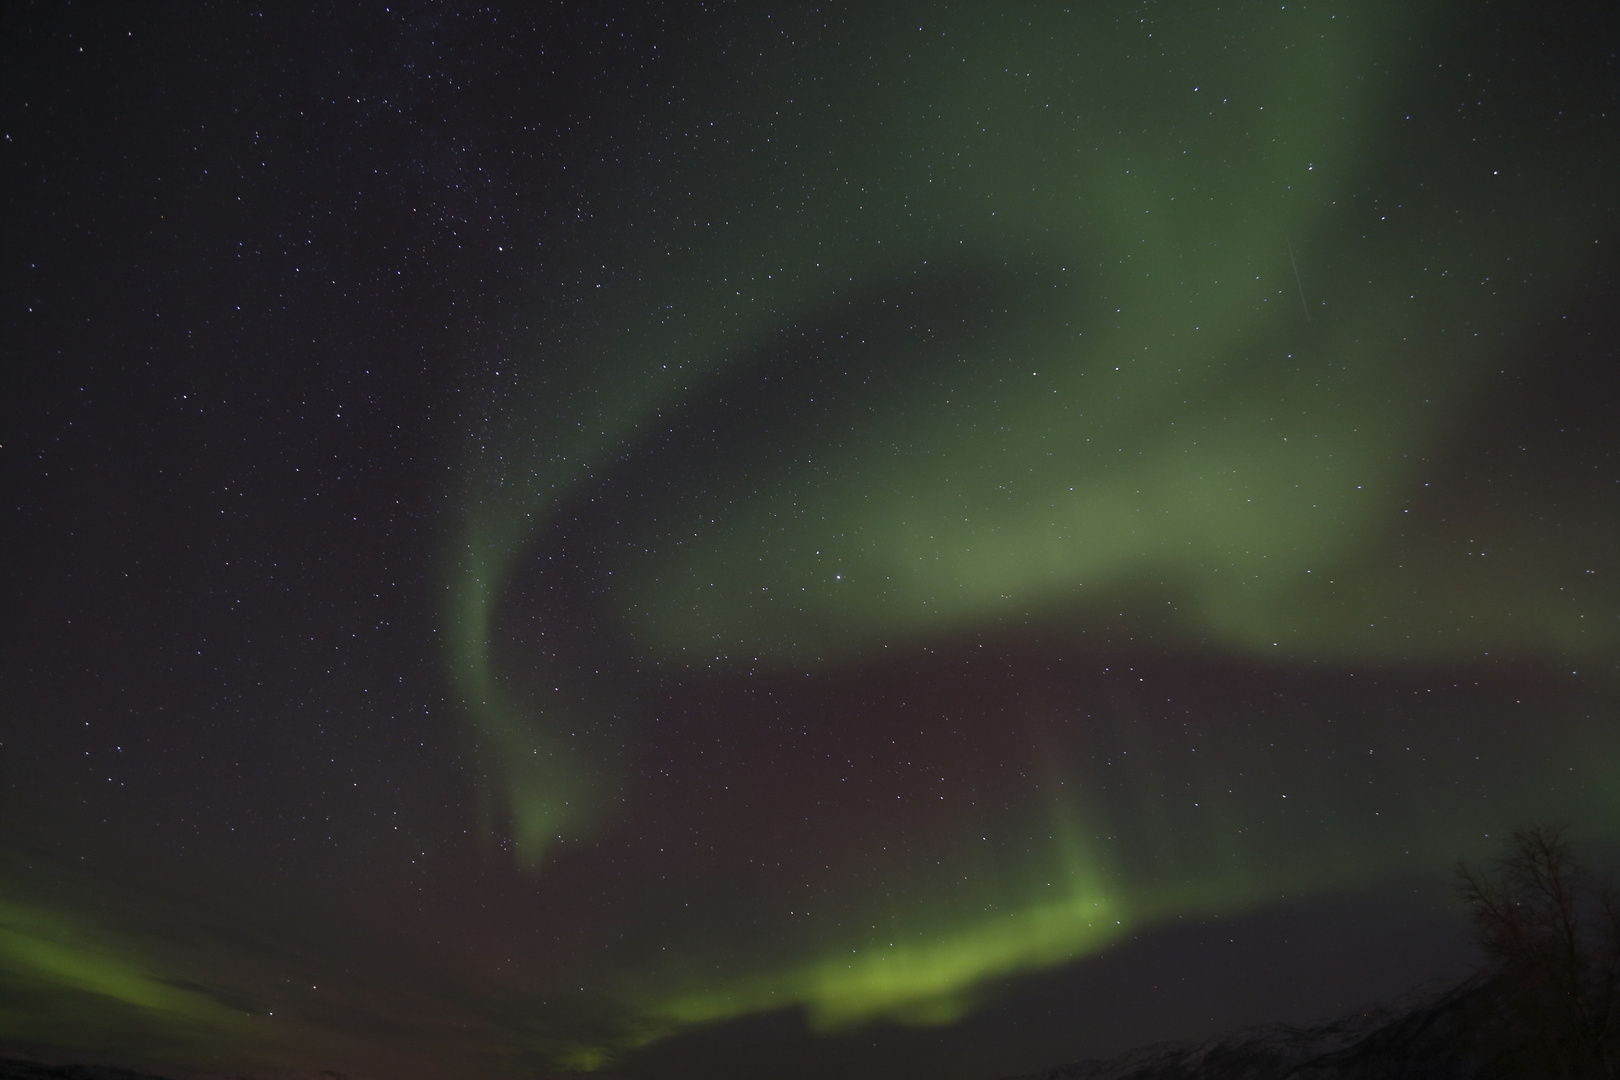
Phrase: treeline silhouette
pixel 1550 929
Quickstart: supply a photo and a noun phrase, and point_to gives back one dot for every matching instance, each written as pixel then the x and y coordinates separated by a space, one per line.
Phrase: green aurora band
pixel 65 976
pixel 1166 318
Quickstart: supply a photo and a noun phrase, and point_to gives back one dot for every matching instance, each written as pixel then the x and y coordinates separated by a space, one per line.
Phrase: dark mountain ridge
pixel 1441 1030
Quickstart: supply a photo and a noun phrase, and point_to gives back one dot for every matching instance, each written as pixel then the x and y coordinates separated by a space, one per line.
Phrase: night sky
pixel 725 540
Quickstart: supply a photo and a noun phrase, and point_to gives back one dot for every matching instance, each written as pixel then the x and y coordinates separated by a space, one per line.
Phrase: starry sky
pixel 732 540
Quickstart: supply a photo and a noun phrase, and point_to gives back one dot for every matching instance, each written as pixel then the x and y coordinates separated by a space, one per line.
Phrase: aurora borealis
pixel 719 540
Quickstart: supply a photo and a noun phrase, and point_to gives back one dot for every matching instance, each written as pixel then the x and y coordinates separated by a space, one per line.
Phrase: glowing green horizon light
pixel 45 945
pixel 927 983
pixel 64 975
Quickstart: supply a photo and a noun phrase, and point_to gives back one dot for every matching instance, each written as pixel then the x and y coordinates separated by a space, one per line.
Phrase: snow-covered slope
pixel 1434 1032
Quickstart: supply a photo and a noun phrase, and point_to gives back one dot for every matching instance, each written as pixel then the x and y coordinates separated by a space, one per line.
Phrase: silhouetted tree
pixel 1552 932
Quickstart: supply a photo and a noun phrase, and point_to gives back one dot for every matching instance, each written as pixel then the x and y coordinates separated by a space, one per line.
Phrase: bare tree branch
pixel 1552 933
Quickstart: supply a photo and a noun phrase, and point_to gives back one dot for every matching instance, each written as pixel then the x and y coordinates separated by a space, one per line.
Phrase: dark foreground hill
pixel 1435 1032
pixel 16 1069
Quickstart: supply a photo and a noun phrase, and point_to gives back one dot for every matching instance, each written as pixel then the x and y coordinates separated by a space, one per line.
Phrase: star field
pixel 716 540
